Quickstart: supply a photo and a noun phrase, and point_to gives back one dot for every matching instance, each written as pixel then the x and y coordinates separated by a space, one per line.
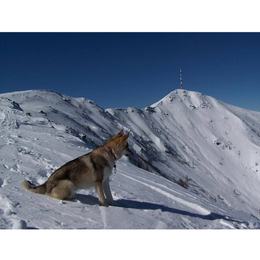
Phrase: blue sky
pixel 133 69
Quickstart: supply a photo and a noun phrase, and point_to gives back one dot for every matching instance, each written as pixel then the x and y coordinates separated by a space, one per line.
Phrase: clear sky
pixel 133 69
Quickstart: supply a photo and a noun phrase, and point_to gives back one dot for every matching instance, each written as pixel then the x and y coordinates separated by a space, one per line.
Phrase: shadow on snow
pixel 142 205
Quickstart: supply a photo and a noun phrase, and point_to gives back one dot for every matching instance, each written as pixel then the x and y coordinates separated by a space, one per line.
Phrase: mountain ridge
pixel 204 145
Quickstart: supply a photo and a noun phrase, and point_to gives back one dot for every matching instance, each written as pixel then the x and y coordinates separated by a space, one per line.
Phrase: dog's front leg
pixel 107 191
pixel 99 190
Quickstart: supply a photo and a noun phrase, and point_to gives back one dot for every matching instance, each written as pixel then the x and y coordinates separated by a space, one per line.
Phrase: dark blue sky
pixel 133 69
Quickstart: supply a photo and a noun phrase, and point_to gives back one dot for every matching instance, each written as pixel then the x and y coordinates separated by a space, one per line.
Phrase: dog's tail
pixel 41 189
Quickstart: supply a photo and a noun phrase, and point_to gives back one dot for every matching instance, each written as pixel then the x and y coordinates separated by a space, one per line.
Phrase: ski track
pixel 103 216
pixel 199 209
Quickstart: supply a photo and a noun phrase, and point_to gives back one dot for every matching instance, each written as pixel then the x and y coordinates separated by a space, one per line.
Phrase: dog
pixel 92 169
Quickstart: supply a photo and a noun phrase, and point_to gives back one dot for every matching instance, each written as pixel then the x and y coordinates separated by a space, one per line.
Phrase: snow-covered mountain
pixel 198 162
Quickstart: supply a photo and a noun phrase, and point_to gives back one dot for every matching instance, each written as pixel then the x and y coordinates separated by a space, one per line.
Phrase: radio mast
pixel 181 79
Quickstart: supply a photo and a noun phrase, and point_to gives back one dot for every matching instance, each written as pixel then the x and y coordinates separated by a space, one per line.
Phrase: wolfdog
pixel 92 169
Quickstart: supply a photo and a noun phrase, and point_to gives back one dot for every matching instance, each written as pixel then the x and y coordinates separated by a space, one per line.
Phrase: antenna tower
pixel 181 79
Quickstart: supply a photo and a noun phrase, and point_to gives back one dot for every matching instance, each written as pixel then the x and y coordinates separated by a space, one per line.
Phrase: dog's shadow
pixel 142 205
pixel 87 199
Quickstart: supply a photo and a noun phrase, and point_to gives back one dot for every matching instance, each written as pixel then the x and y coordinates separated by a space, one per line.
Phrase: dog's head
pixel 119 145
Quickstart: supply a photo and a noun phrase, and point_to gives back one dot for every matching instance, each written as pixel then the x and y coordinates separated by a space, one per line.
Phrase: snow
pixel 202 156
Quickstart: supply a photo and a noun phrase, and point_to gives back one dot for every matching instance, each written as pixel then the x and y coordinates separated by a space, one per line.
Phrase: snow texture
pixel 196 162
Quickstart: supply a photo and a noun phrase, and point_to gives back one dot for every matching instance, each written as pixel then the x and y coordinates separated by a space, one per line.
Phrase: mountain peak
pixel 184 98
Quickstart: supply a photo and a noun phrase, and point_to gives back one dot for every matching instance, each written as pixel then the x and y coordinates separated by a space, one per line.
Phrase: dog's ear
pixel 126 136
pixel 119 134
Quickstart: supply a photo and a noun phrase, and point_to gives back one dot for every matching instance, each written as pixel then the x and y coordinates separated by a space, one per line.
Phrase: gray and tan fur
pixel 92 169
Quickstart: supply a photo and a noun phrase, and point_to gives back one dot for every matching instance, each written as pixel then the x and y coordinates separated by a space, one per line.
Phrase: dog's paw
pixel 103 205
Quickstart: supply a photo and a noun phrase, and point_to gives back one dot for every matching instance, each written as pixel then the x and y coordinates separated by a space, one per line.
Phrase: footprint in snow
pixel 160 225
pixel 1 183
pixel 6 213
pixel 19 224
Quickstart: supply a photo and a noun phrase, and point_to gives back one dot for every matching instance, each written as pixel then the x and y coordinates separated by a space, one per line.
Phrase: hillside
pixel 198 162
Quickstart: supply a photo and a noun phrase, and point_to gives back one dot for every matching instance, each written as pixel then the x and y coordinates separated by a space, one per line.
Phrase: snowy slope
pixel 202 156
pixel 212 147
